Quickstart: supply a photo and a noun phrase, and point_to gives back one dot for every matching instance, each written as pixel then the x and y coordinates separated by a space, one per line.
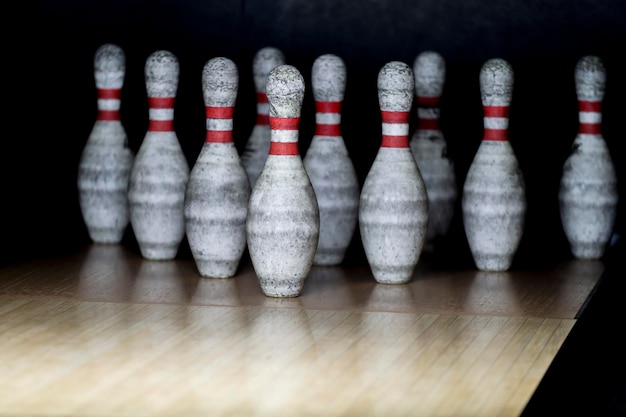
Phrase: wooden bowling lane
pixel 102 332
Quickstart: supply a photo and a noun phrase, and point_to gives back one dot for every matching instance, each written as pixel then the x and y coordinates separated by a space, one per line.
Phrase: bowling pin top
pixel 328 78
pixel 590 77
pixel 285 92
pixel 220 81
pixel 162 73
pixel 496 83
pixel 264 61
pixel 109 67
pixel 396 86
pixel 430 73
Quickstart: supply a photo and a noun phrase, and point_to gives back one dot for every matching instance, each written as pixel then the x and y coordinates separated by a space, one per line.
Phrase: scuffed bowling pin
pixel 494 200
pixel 588 193
pixel 429 146
pixel 393 211
pixel 283 214
pixel 328 164
pixel 105 163
pixel 216 200
pixel 159 174
pixel 258 144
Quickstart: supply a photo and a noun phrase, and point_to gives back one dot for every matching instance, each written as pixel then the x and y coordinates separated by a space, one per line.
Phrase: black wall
pixel 52 97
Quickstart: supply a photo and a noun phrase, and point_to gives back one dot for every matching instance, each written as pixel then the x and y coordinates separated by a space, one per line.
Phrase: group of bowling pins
pixel 293 212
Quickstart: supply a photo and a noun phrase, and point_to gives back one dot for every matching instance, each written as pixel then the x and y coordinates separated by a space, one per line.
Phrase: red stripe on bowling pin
pixel 109 94
pixel 491 114
pixel 162 125
pixel 330 108
pixel 395 122
pixel 589 117
pixel 289 124
pixel 432 104
pixel 262 117
pixel 222 113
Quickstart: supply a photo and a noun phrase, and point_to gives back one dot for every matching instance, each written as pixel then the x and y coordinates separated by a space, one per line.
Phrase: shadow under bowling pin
pixel 328 164
pixel 393 211
pixel 429 146
pixel 160 172
pixel 106 160
pixel 494 200
pixel 216 199
pixel 257 147
pixel 588 191
pixel 283 215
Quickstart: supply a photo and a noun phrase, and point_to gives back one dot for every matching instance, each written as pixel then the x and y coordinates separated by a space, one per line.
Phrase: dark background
pixel 51 107
pixel 52 95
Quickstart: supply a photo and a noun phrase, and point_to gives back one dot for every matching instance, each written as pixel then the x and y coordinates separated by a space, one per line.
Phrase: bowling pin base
pixel 217 268
pixel 106 236
pixel 328 258
pixel 279 288
pixel 392 275
pixel 587 251
pixel 492 262
pixel 158 252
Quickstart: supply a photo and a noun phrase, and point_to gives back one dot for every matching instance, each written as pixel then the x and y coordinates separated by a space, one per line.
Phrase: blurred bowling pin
pixel 216 201
pixel 159 174
pixel 106 160
pixel 588 191
pixel 429 146
pixel 328 164
pixel 494 200
pixel 283 215
pixel 258 145
pixel 393 212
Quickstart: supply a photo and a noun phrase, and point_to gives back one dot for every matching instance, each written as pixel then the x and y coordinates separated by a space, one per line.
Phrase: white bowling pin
pixel 105 162
pixel 328 164
pixel 393 211
pixel 494 199
pixel 429 145
pixel 159 174
pixel 588 191
pixel 216 200
pixel 258 144
pixel 283 214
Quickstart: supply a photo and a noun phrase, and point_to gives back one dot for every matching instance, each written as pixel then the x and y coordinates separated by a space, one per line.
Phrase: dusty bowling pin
pixel 494 199
pixel 328 164
pixel 429 145
pixel 283 215
pixel 105 163
pixel 588 191
pixel 258 144
pixel 393 211
pixel 216 199
pixel 160 172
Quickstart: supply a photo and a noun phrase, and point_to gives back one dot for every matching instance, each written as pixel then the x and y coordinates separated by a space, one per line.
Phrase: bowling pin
pixel 494 200
pixel 159 174
pixel 258 144
pixel 588 190
pixel 429 145
pixel 106 159
pixel 216 199
pixel 328 164
pixel 393 211
pixel 283 215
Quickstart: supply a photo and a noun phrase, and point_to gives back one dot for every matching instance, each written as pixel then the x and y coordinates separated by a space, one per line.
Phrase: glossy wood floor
pixel 102 332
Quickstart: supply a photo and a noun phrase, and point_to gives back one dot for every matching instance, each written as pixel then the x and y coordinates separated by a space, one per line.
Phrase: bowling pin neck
pixel 396 86
pixel 428 112
pixel 589 117
pixel 109 104
pixel 264 61
pixel 328 118
pixel 285 93
pixel 161 72
pixel 262 109
pixel 496 90
pixel 496 123
pixel 284 136
pixel 161 114
pixel 220 82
